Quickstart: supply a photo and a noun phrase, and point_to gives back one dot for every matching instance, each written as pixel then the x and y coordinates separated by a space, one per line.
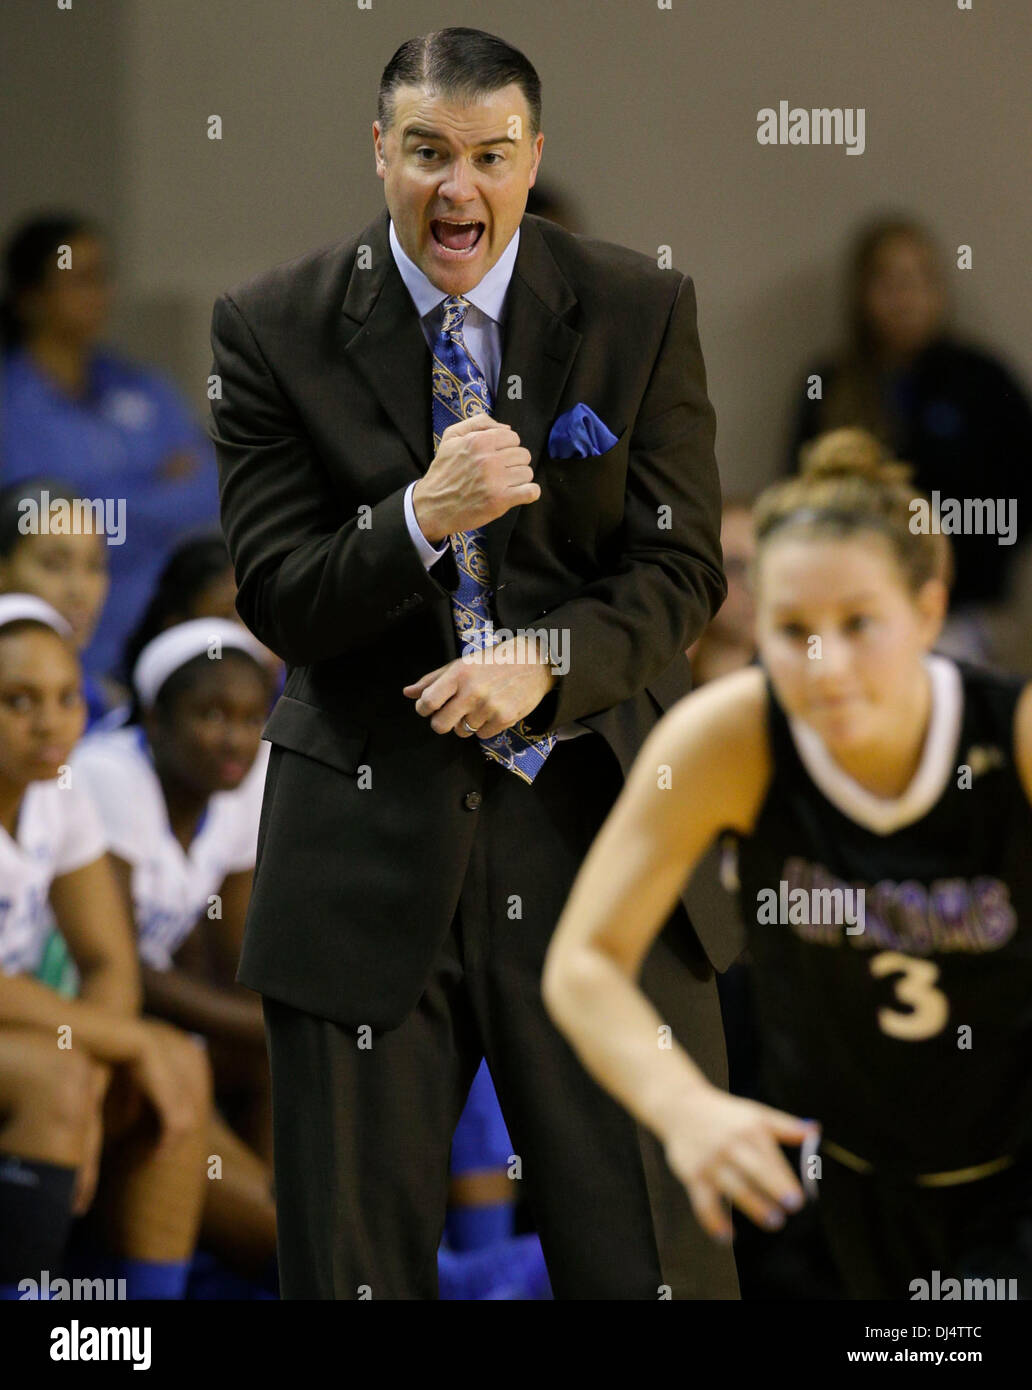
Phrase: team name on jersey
pixel 949 914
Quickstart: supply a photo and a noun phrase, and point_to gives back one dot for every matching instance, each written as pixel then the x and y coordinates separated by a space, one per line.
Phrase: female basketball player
pixel 180 808
pixel 880 798
pixel 197 581
pixel 166 786
pixel 65 565
pixel 86 1086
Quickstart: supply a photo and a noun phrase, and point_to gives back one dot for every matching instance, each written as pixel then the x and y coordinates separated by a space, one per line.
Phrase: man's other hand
pixel 491 693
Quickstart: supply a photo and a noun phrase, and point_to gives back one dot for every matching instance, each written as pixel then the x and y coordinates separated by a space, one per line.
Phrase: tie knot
pixel 455 307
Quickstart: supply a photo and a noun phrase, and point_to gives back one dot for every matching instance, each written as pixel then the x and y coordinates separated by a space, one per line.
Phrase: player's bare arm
pixel 714 744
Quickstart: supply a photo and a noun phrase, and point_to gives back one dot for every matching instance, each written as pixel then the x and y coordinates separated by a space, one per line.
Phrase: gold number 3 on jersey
pixel 928 1007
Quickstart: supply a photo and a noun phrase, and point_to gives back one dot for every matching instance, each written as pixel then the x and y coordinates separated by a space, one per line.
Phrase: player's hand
pixel 89 1169
pixel 480 470
pixel 159 1073
pixel 723 1147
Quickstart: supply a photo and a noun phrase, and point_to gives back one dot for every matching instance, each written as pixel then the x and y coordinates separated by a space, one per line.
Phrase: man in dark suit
pixel 386 485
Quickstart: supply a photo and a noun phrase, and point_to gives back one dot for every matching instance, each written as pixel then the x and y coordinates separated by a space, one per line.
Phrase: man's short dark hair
pixel 459 63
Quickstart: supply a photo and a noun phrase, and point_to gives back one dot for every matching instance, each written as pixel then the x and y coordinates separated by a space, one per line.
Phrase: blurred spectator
pixel 950 409
pixel 69 571
pixel 110 428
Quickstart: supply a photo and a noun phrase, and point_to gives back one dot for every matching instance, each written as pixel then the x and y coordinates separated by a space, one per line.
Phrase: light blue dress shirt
pixel 482 332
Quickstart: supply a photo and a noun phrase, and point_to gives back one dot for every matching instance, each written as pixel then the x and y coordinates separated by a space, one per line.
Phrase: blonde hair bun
pixel 851 453
pixel 848 483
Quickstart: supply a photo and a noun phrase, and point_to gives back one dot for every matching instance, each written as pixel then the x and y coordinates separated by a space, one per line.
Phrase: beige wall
pixel 650 120
pixel 63 137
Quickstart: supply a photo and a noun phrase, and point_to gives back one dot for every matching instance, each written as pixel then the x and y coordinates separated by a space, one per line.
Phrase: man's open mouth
pixel 455 235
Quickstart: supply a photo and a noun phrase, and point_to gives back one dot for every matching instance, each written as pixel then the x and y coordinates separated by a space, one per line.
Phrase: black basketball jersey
pixel 902 1019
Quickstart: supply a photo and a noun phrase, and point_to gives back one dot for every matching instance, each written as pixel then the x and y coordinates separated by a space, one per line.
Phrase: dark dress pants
pixel 362 1135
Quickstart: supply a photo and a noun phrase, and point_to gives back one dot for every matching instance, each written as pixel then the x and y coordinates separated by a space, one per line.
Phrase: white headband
pixel 16 606
pixel 179 644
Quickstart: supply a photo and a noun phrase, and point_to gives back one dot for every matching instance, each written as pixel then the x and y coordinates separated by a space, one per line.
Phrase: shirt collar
pixel 488 296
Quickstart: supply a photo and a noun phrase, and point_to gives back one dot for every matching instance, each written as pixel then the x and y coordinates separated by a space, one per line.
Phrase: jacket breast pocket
pixel 316 733
pixel 589 492
pixel 582 471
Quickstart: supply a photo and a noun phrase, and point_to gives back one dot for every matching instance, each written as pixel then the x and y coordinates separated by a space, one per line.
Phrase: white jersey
pixel 171 887
pixel 58 831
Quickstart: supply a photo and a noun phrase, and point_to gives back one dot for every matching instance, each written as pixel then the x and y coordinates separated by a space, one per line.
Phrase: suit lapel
pixel 538 348
pixel 389 348
pixel 385 342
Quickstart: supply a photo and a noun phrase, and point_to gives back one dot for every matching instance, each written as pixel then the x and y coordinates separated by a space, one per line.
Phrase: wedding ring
pixel 472 731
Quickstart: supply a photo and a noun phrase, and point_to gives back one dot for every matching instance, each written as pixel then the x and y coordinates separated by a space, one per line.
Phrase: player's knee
pixel 58 1089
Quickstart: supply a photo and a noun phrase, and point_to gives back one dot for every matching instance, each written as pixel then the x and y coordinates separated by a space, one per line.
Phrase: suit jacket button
pixel 472 800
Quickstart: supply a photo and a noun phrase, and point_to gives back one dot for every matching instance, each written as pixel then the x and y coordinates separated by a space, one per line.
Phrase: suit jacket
pixel 323 421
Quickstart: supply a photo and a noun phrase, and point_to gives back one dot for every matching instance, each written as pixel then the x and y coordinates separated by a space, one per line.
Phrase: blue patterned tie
pixel 459 392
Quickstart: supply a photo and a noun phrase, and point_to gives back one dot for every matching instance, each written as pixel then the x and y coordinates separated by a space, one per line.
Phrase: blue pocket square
pixel 579 434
